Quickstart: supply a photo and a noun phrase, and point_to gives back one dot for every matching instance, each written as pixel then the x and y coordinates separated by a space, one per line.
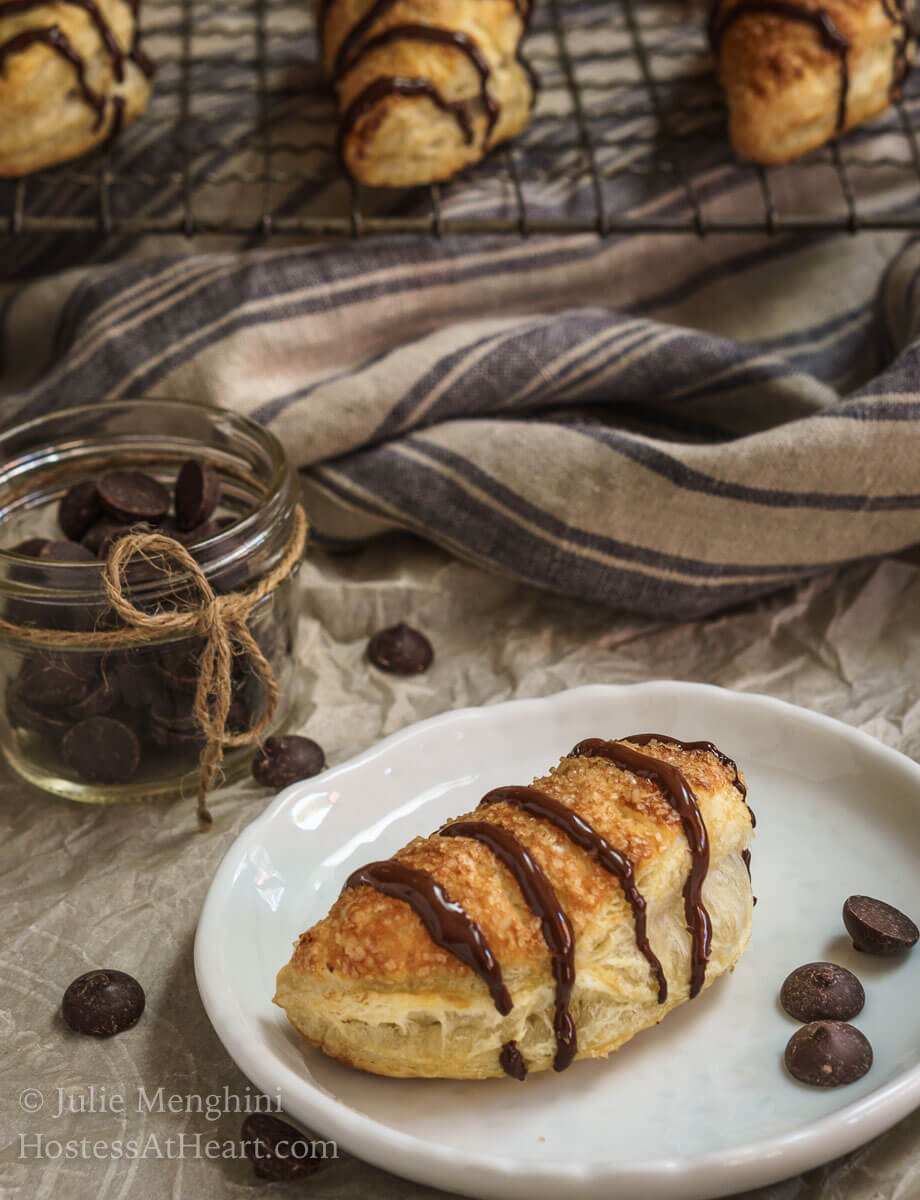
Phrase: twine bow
pixel 220 620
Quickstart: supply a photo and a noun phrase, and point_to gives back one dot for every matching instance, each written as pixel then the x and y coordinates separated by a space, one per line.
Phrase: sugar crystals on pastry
pixel 797 74
pixel 72 75
pixel 425 87
pixel 553 923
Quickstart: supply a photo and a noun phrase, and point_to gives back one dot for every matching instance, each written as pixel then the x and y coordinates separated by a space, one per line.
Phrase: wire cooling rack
pixel 628 136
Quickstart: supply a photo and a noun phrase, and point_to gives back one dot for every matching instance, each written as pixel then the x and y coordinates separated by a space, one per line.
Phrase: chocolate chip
pixel 278 1150
pixel 99 537
pixel 133 672
pixel 56 680
pixel 99 700
pixel 190 537
pixel 284 760
pixel 31 547
pixel 877 927
pixel 238 716
pixel 67 552
pixel 131 496
pixel 79 509
pixel 197 493
pixel 822 991
pixel 103 1003
pixel 102 750
pixel 178 666
pixel 828 1054
pixel 401 650
pixel 52 724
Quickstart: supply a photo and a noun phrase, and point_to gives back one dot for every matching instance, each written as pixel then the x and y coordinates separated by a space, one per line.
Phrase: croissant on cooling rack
pixel 72 74
pixel 797 74
pixel 552 923
pixel 425 87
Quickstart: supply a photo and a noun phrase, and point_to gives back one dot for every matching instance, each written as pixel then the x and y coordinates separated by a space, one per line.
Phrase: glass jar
pixel 148 691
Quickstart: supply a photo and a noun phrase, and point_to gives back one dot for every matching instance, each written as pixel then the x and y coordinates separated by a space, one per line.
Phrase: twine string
pixel 221 621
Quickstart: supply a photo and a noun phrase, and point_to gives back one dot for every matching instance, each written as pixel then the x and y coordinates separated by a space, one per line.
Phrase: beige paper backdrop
pixel 82 887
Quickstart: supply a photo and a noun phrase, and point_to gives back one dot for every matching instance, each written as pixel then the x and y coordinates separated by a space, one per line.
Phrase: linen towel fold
pixel 625 458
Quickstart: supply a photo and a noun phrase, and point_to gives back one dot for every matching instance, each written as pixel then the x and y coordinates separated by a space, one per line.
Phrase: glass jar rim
pixel 237 536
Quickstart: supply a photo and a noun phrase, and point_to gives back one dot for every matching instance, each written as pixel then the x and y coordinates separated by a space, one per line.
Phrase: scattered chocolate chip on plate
pixel 400 650
pixel 283 760
pixel 822 991
pixel 103 1003
pixel 828 1054
pixel 877 927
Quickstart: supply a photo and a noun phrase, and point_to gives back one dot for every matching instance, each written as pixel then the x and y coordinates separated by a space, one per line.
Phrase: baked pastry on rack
pixel 797 74
pixel 425 87
pixel 553 923
pixel 72 74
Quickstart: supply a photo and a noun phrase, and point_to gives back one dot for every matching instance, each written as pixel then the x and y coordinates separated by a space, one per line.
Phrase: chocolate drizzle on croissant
pixel 360 41
pixel 452 929
pixel 54 38
pixel 832 37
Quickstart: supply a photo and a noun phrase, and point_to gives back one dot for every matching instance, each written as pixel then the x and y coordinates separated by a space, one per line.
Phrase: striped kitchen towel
pixel 489 397
pixel 670 424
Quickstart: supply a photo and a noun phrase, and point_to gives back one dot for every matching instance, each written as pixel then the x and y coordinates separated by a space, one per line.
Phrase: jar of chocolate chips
pixel 116 722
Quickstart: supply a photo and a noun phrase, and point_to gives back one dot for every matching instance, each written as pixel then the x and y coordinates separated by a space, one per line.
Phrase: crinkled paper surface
pixel 122 887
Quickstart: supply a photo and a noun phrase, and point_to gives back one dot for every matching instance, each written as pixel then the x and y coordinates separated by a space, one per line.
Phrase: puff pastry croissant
pixel 797 74
pixel 72 74
pixel 553 923
pixel 425 87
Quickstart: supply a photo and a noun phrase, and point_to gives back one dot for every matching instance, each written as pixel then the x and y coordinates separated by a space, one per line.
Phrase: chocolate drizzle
pixel 643 739
pixel 435 36
pixel 576 829
pixel 448 925
pixel 832 37
pixel 394 85
pixel 356 43
pixel 898 14
pixel 55 39
pixel 540 897
pixel 680 796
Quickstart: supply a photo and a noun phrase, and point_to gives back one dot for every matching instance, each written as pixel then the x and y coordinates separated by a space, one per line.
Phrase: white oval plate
pixel 697 1107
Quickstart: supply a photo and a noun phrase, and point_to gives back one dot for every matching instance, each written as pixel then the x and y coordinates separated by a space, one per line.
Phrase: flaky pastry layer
pixel 368 986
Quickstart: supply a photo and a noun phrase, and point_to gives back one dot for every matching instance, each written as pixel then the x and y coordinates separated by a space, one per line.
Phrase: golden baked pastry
pixel 72 74
pixel 553 923
pixel 425 87
pixel 796 75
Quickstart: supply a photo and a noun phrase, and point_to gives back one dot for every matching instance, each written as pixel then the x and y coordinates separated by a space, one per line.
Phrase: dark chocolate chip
pixel 178 666
pixel 822 991
pixel 67 552
pixel 99 700
pixel 284 760
pixel 828 1054
pixel 877 927
pixel 132 496
pixel 56 680
pixel 278 1150
pixel 79 509
pixel 32 547
pixel 197 493
pixel 134 674
pixel 103 1003
pixel 186 739
pixel 190 537
pixel 102 750
pixel 22 715
pixel 401 650
pixel 99 537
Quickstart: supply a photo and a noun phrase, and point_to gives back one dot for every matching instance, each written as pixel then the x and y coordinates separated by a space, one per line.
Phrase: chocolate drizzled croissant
pixel 797 74
pixel 425 87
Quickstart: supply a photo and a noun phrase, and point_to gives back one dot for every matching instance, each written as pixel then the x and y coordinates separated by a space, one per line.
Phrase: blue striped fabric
pixel 674 425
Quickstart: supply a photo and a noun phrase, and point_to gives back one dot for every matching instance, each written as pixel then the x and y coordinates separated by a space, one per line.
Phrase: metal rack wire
pixel 628 136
